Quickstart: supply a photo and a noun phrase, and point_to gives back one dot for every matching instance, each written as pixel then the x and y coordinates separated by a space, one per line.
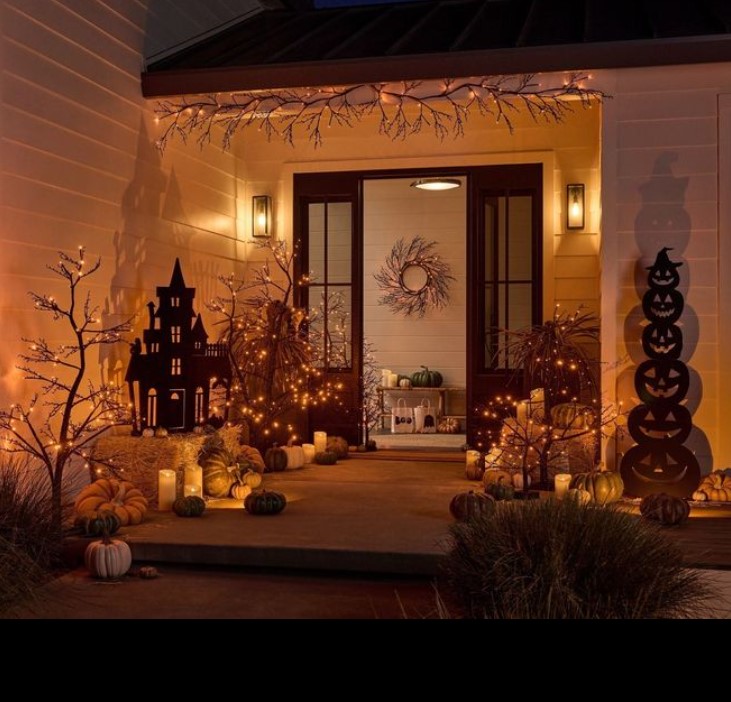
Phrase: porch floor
pixel 384 512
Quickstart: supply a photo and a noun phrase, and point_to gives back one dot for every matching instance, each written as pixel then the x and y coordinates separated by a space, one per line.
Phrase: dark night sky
pixel 344 3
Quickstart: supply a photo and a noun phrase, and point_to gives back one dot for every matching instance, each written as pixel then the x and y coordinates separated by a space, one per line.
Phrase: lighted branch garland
pixel 403 109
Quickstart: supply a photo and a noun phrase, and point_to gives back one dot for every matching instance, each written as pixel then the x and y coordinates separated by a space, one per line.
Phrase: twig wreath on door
pixel 414 279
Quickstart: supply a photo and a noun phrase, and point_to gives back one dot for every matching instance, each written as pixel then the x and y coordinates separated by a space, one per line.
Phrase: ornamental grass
pixel 560 560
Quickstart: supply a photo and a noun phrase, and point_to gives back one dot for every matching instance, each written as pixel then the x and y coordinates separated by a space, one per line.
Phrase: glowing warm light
pixel 436 184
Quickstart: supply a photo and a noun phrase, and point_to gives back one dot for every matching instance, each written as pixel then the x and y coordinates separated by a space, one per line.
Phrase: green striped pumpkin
pixel 217 479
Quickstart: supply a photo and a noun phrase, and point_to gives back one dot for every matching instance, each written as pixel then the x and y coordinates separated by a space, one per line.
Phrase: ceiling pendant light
pixel 436 183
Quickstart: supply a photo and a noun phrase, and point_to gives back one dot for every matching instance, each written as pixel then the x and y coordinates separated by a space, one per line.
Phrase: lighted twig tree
pixel 271 351
pixel 69 411
pixel 531 441
pixel 559 357
pixel 370 405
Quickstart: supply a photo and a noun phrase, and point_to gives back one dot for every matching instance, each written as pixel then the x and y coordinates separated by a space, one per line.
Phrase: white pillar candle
pixel 194 476
pixel 192 491
pixel 393 380
pixel 385 375
pixel 309 451
pixel 165 490
pixel 561 482
pixel 472 458
pixel 522 413
pixel 320 441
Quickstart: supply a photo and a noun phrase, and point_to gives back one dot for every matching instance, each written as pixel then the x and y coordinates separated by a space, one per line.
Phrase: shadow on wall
pixel 663 222
pixel 155 230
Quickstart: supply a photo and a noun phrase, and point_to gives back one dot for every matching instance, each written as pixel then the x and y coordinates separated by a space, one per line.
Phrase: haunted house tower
pixel 170 383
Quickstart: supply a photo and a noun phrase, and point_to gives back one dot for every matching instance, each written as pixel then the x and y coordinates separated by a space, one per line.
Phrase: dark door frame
pixel 316 186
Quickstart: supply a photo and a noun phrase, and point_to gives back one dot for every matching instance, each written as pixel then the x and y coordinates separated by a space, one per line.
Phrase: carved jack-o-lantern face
pixel 664 272
pixel 660 423
pixel 660 466
pixel 662 341
pixel 663 305
pixel 662 380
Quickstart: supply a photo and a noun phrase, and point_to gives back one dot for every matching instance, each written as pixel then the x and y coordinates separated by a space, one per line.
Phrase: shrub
pixel 30 540
pixel 554 560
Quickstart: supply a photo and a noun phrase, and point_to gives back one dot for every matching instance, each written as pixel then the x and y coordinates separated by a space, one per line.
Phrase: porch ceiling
pixel 294 45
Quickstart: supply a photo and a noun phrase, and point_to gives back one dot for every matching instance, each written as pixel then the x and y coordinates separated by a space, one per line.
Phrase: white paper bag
pixel 402 418
pixel 425 418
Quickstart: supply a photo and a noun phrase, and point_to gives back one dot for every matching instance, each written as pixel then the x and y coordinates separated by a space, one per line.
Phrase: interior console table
pixel 419 394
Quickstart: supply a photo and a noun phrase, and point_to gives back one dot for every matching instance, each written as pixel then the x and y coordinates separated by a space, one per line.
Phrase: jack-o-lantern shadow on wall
pixel 663 222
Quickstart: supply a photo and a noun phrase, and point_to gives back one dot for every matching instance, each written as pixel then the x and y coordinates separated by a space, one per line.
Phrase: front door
pixel 505 264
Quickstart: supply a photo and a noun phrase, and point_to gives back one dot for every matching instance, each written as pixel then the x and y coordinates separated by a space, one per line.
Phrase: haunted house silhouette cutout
pixel 170 382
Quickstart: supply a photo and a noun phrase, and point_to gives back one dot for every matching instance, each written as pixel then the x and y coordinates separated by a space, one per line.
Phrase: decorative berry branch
pixel 403 109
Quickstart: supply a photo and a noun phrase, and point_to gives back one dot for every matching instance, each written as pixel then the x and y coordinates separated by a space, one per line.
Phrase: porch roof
pixel 291 44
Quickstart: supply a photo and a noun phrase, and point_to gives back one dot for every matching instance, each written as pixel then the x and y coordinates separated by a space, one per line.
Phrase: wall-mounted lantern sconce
pixel 261 209
pixel 575 206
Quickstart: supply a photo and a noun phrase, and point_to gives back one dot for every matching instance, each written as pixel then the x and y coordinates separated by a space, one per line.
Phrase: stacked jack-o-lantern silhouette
pixel 661 424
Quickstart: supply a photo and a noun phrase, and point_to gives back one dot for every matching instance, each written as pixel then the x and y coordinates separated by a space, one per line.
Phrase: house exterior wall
pixel 663 150
pixel 569 153
pixel 80 167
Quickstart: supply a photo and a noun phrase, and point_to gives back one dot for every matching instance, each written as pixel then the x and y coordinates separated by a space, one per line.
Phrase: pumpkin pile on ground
pixel 715 487
pixel 663 508
pixel 265 502
pixel 118 496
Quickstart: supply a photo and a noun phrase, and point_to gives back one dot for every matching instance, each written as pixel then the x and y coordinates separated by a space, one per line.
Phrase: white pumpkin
pixel 404 383
pixel 148 432
pixel 108 558
pixel 295 456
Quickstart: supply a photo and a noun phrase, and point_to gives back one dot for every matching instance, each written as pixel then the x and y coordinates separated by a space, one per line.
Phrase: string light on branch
pixel 403 109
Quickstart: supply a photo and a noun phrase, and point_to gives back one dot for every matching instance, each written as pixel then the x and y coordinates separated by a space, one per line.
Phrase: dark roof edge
pixel 538 59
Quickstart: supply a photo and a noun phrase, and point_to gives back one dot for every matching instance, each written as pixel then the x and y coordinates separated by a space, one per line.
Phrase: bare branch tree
pixel 69 411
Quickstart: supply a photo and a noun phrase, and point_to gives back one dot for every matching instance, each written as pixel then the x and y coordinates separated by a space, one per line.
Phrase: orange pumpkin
pixel 118 496
pixel 251 455
pixel 716 486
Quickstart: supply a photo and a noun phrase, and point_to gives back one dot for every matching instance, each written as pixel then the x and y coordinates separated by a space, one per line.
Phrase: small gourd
pixel 338 445
pixel 240 491
pixel 501 490
pixel 108 559
pixel 470 504
pixel 191 506
pixel 161 432
pixel 663 508
pixel 448 425
pixel 148 432
pixel 265 502
pixel 250 478
pixel 404 383
pixel 98 522
pixel 275 459
pixel 700 496
pixel 326 458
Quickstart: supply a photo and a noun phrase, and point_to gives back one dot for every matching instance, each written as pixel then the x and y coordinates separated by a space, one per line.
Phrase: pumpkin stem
pixel 425 368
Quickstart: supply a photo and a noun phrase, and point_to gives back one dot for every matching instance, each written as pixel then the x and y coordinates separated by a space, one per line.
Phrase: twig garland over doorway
pixel 414 278
pixel 403 108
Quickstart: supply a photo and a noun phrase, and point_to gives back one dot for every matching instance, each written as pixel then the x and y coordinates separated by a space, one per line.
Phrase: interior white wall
pixel 393 210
